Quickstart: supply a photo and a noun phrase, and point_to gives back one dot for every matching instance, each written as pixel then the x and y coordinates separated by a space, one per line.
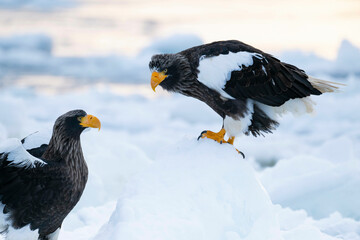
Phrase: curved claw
pixel 242 154
pixel 201 135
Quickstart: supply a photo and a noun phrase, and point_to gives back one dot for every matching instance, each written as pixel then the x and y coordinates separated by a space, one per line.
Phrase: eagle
pixel 247 87
pixel 40 183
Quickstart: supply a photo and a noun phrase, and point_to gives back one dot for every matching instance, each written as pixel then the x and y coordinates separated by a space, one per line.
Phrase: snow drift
pixel 194 191
pixel 204 190
pixel 147 147
pixel 316 185
pixel 153 151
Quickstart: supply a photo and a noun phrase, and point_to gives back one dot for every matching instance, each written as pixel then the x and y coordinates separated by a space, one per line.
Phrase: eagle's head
pixel 169 71
pixel 72 123
pixel 66 134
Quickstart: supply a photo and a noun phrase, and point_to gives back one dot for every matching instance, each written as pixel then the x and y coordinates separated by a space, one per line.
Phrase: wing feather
pixel 279 82
pixel 22 183
pixel 266 79
pixel 16 155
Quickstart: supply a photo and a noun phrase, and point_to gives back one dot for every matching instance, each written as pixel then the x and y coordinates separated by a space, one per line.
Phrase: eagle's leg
pixel 219 136
pixel 231 140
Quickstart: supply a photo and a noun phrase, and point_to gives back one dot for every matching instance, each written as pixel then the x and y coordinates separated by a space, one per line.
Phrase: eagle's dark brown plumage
pixel 244 85
pixel 38 191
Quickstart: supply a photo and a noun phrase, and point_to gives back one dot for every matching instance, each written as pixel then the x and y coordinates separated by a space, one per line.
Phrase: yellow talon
pixel 219 137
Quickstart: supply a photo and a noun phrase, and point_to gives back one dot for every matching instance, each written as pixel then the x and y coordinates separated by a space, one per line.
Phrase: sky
pixel 96 27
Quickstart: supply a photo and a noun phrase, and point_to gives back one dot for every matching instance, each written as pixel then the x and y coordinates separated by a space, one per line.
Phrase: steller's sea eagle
pixel 245 86
pixel 41 185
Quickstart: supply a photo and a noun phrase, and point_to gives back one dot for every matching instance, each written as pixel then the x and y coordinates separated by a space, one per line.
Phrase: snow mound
pixel 305 182
pixel 298 225
pixel 204 190
pixel 338 226
pixel 348 58
pixel 194 190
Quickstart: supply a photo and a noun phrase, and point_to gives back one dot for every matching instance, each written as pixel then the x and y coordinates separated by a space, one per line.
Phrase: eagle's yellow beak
pixel 157 78
pixel 90 121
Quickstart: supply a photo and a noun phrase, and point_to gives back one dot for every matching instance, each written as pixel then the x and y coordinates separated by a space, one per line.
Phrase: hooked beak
pixel 157 78
pixel 90 121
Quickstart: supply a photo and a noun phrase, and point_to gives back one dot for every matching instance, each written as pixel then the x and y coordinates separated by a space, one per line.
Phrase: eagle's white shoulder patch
pixel 17 154
pixel 215 71
pixel 37 139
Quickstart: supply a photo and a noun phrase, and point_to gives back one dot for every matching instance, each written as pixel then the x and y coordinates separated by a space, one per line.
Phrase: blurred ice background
pixel 149 177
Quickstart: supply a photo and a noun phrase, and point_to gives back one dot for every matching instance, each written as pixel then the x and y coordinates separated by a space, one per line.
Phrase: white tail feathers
pixel 325 86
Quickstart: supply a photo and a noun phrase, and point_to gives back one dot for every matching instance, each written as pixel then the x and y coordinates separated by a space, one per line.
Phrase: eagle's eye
pixel 79 118
pixel 165 71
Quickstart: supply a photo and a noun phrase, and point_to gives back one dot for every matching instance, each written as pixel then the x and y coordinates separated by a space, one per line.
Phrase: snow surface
pixel 146 166
pixel 143 154
pixel 191 188
pixel 306 182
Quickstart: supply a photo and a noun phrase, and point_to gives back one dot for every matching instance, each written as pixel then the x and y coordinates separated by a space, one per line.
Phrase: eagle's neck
pixel 186 75
pixel 64 149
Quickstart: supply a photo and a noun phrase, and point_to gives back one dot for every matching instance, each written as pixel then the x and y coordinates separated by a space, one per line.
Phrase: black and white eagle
pixel 247 87
pixel 40 183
